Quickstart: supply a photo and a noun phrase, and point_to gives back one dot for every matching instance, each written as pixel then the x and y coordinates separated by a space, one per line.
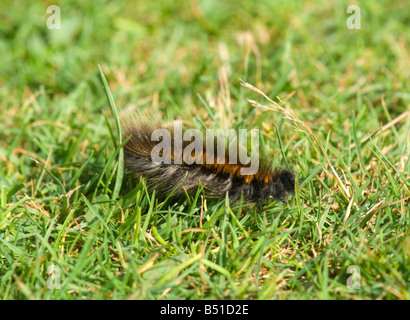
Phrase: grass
pixel 65 202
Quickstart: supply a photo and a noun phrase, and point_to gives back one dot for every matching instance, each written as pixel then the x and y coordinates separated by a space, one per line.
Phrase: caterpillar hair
pixel 218 178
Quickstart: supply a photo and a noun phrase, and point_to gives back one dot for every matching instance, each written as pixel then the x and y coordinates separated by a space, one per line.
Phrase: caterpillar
pixel 187 168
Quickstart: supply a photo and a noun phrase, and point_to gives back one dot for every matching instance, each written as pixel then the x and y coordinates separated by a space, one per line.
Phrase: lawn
pixel 332 103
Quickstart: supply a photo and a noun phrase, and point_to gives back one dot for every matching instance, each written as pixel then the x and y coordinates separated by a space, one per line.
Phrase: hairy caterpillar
pixel 217 175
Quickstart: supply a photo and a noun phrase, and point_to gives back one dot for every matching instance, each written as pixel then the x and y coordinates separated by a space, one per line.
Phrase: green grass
pixel 65 201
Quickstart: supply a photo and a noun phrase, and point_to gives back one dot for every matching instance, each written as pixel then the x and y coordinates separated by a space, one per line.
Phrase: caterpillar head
pixel 281 184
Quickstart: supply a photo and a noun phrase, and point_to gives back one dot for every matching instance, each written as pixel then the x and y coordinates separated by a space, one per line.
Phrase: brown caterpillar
pixel 217 178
